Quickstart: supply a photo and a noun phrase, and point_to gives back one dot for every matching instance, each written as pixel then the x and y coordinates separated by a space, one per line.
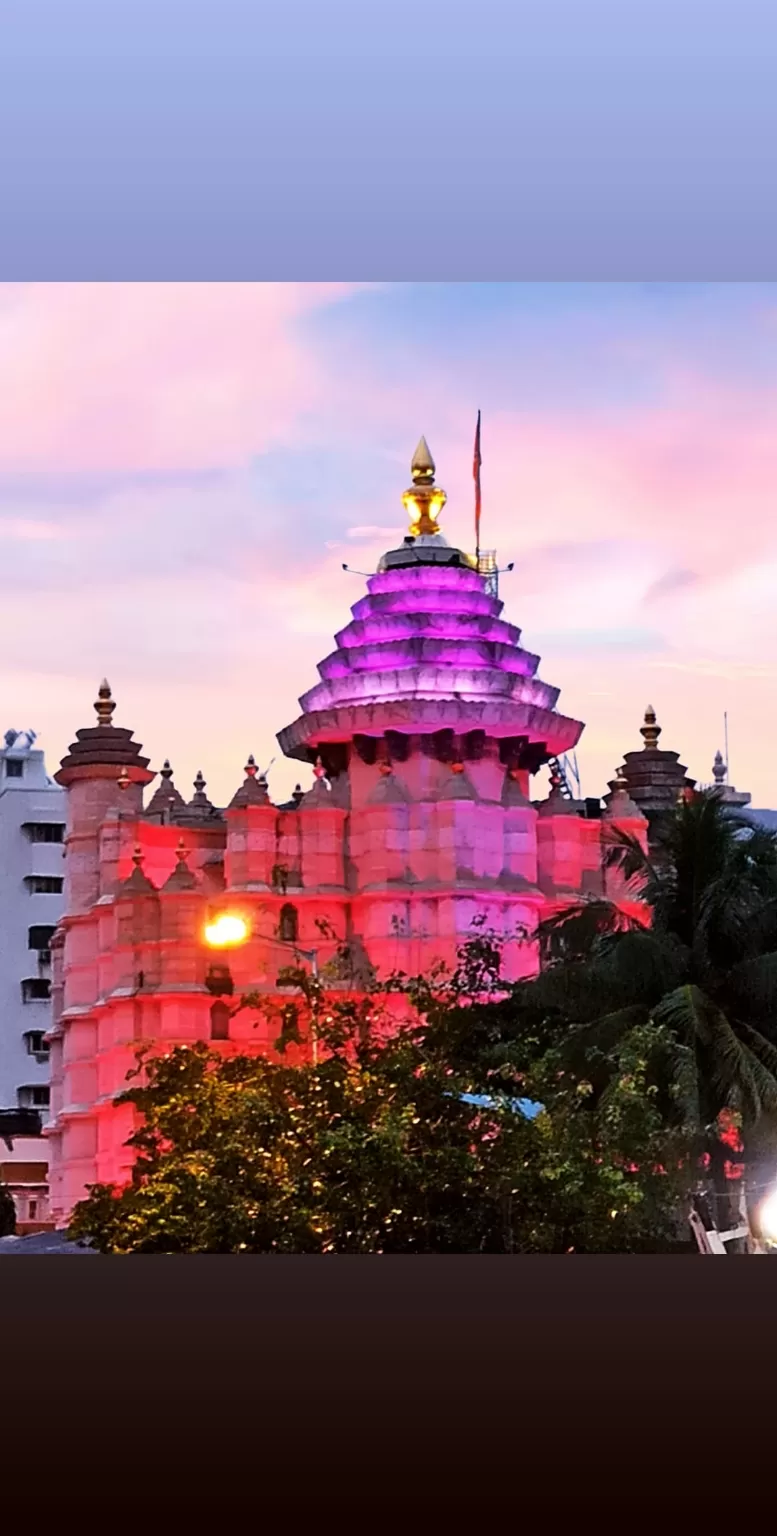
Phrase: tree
pixel 394 1142
pixel 7 1212
pixel 705 974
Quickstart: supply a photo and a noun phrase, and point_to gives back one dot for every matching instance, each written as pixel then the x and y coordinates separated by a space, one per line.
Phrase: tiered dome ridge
pixel 437 648
pixel 445 624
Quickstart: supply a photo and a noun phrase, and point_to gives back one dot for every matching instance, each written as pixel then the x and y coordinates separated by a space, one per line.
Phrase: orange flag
pixel 476 463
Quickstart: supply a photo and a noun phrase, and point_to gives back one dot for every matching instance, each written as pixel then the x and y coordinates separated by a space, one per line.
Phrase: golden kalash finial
pixel 650 731
pixel 424 501
pixel 104 704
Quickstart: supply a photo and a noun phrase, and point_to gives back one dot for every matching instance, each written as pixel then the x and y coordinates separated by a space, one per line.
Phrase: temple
pixel 424 732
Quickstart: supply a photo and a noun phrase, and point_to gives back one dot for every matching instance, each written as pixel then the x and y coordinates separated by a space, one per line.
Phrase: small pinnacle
pixel 199 782
pixel 123 780
pixel 104 704
pixel 650 731
pixel 250 767
pixel 181 851
pixel 422 464
pixel 137 857
pixel 166 771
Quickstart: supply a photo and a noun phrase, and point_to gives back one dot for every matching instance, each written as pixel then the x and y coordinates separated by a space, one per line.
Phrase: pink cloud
pixel 153 376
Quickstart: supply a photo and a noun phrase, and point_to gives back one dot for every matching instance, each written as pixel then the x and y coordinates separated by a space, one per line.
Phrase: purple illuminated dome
pixel 428 647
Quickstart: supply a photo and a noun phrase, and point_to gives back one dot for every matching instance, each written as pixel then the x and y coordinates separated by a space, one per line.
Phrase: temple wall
pixel 322 842
pixel 560 852
pixel 449 860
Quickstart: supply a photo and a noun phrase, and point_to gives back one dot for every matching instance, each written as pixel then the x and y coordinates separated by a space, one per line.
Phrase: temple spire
pixel 651 730
pixel 424 501
pixel 104 703
pixel 422 465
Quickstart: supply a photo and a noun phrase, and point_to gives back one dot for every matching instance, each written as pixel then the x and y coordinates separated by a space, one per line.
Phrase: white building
pixel 32 830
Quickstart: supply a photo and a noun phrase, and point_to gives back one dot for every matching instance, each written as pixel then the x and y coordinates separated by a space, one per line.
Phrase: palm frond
pixel 759 1046
pixel 684 1085
pixel 572 933
pixel 624 852
pixel 604 1033
pixel 642 963
pixel 734 1071
pixel 752 987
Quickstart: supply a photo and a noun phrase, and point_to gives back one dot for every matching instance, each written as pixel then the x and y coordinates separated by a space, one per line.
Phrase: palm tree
pixel 704 972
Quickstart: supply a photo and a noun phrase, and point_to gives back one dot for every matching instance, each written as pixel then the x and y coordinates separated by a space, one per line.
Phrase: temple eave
pixel 420 717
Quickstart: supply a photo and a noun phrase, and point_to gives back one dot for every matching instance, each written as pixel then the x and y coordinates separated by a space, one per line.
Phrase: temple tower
pixel 104 774
pixel 429 719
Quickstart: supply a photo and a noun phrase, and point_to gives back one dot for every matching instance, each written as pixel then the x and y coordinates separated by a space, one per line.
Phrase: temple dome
pixel 429 631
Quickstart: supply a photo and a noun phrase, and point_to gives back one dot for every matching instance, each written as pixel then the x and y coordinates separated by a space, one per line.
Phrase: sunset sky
pixel 184 469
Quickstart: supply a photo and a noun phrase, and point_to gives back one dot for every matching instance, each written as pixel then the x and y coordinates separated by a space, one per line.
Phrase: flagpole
pixel 476 474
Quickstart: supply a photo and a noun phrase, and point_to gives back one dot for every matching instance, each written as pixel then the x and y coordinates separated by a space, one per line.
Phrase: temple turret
pixel 103 771
pixel 622 818
pixel 166 801
pixel 727 793
pixel 199 810
pixel 654 778
pixel 560 841
pixel 252 856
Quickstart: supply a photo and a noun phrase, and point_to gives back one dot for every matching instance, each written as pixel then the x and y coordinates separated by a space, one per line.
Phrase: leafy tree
pixel 7 1212
pixel 704 973
pixel 377 1146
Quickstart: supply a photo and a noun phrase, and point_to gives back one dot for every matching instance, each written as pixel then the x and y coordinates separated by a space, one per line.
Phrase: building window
pixel 44 885
pixel 34 1096
pixel 39 937
pixel 289 925
pixel 36 1043
pixel 45 831
pixel 36 989
pixel 219 1022
pixel 14 769
pixel 32 1210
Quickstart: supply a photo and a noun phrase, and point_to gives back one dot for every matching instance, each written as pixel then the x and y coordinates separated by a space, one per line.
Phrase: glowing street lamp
pixel 226 931
pixel 767 1218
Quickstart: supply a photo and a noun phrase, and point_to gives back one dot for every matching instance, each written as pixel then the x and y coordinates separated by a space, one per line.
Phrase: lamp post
pixel 766 1220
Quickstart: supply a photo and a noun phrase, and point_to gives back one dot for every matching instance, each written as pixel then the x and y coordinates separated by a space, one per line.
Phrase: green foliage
pixel 705 973
pixel 373 1149
pixel 7 1212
